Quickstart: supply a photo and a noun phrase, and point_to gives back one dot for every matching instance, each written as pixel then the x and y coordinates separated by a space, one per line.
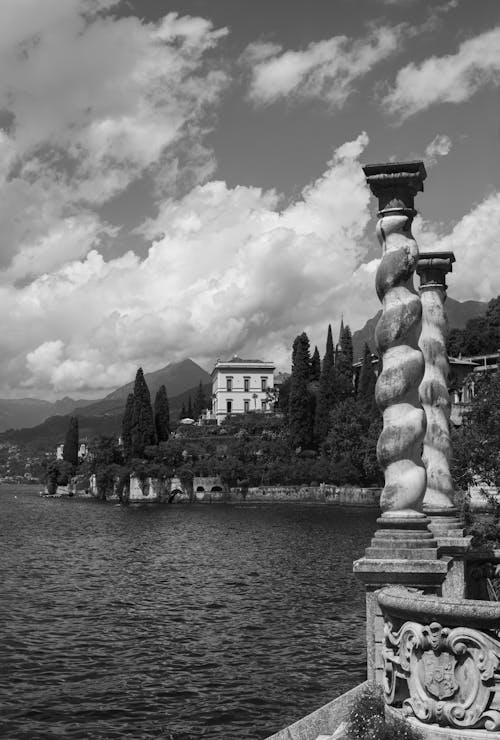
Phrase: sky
pixel 183 179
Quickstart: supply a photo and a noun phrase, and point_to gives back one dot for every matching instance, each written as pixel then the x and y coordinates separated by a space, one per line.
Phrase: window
pixel 229 384
pixel 263 384
pixel 246 406
pixel 229 406
pixel 246 384
pixel 263 405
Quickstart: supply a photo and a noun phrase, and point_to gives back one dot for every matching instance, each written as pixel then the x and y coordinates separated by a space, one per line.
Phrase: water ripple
pixel 178 623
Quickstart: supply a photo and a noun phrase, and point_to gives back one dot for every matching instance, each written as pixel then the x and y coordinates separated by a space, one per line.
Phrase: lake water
pixel 175 622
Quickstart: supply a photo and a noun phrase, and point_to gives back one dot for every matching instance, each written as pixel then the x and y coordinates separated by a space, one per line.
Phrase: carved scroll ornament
pixel 448 676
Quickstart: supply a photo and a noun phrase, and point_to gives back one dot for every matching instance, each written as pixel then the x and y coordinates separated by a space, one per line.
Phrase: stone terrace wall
pixel 324 493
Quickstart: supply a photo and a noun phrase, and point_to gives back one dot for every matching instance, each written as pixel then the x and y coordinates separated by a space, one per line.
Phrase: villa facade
pixel 240 386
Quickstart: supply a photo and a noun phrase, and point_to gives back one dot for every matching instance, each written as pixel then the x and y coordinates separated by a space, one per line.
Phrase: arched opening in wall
pixel 199 489
pixel 173 494
pixel 216 489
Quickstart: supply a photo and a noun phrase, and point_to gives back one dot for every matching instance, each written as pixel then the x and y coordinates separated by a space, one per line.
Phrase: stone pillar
pixel 403 550
pixel 438 500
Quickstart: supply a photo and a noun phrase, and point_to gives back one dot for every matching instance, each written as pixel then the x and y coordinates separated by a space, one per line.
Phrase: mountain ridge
pixel 458 312
pixel 23 413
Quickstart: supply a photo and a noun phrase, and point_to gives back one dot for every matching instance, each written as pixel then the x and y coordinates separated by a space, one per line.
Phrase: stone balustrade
pixel 442 662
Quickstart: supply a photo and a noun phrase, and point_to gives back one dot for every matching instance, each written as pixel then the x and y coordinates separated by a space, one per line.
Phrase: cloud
pixel 92 102
pixel 440 146
pixel 325 69
pixel 227 272
pixel 448 79
pixel 475 273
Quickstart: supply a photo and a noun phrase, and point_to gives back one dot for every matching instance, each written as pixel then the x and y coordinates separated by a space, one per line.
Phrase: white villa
pixel 240 386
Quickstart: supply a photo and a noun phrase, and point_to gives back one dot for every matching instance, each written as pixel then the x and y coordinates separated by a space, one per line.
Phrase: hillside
pixel 27 412
pixel 179 378
pixel 459 312
pixel 52 431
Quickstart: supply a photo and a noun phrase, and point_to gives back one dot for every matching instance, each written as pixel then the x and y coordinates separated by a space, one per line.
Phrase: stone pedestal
pixel 403 557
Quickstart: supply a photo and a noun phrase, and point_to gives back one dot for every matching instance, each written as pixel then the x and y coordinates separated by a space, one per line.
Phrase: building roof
pixel 237 362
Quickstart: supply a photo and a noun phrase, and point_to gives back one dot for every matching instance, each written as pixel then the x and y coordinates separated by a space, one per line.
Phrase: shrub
pixel 366 720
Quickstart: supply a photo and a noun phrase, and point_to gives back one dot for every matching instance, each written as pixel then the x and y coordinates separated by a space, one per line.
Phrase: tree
pixel 366 384
pixel 162 415
pixel 190 408
pixel 58 473
pixel 326 396
pixel 343 367
pixel 301 416
pixel 476 444
pixel 143 430
pixel 315 365
pixel 200 402
pixel 71 443
pixel 476 457
pixel 481 334
pixel 183 411
pixel 127 426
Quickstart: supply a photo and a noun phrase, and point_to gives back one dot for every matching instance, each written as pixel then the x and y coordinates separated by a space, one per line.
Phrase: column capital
pixel 396 184
pixel 432 267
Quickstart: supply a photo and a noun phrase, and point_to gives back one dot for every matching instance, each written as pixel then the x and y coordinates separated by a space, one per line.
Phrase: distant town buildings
pixel 240 386
pixel 82 451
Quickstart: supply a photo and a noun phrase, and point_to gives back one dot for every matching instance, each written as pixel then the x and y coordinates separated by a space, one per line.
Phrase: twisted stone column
pixel 432 269
pixel 438 501
pixel 399 448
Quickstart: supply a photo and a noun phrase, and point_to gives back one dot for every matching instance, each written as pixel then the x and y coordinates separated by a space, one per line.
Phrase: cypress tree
pixel 162 415
pixel 183 411
pixel 127 427
pixel 327 390
pixel 315 365
pixel 70 449
pixel 343 367
pixel 301 416
pixel 143 429
pixel 366 384
pixel 200 402
pixel 190 408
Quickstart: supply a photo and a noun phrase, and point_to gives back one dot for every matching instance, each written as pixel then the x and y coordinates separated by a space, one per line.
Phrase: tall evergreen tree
pixel 162 415
pixel 315 365
pixel 190 408
pixel 200 402
pixel 366 383
pixel 127 427
pixel 303 340
pixel 143 428
pixel 327 390
pixel 343 368
pixel 71 443
pixel 183 413
pixel 301 417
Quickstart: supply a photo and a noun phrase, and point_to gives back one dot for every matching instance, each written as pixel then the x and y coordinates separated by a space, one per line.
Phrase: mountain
pixel 52 430
pixel 27 412
pixel 459 312
pixel 178 378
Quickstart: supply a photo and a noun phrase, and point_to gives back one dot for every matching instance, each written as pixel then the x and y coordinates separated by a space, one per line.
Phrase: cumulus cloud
pixel 453 78
pixel 440 146
pixel 91 102
pixel 475 273
pixel 325 69
pixel 227 271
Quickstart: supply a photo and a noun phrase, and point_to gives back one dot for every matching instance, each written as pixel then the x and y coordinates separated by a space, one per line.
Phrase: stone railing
pixel 442 662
